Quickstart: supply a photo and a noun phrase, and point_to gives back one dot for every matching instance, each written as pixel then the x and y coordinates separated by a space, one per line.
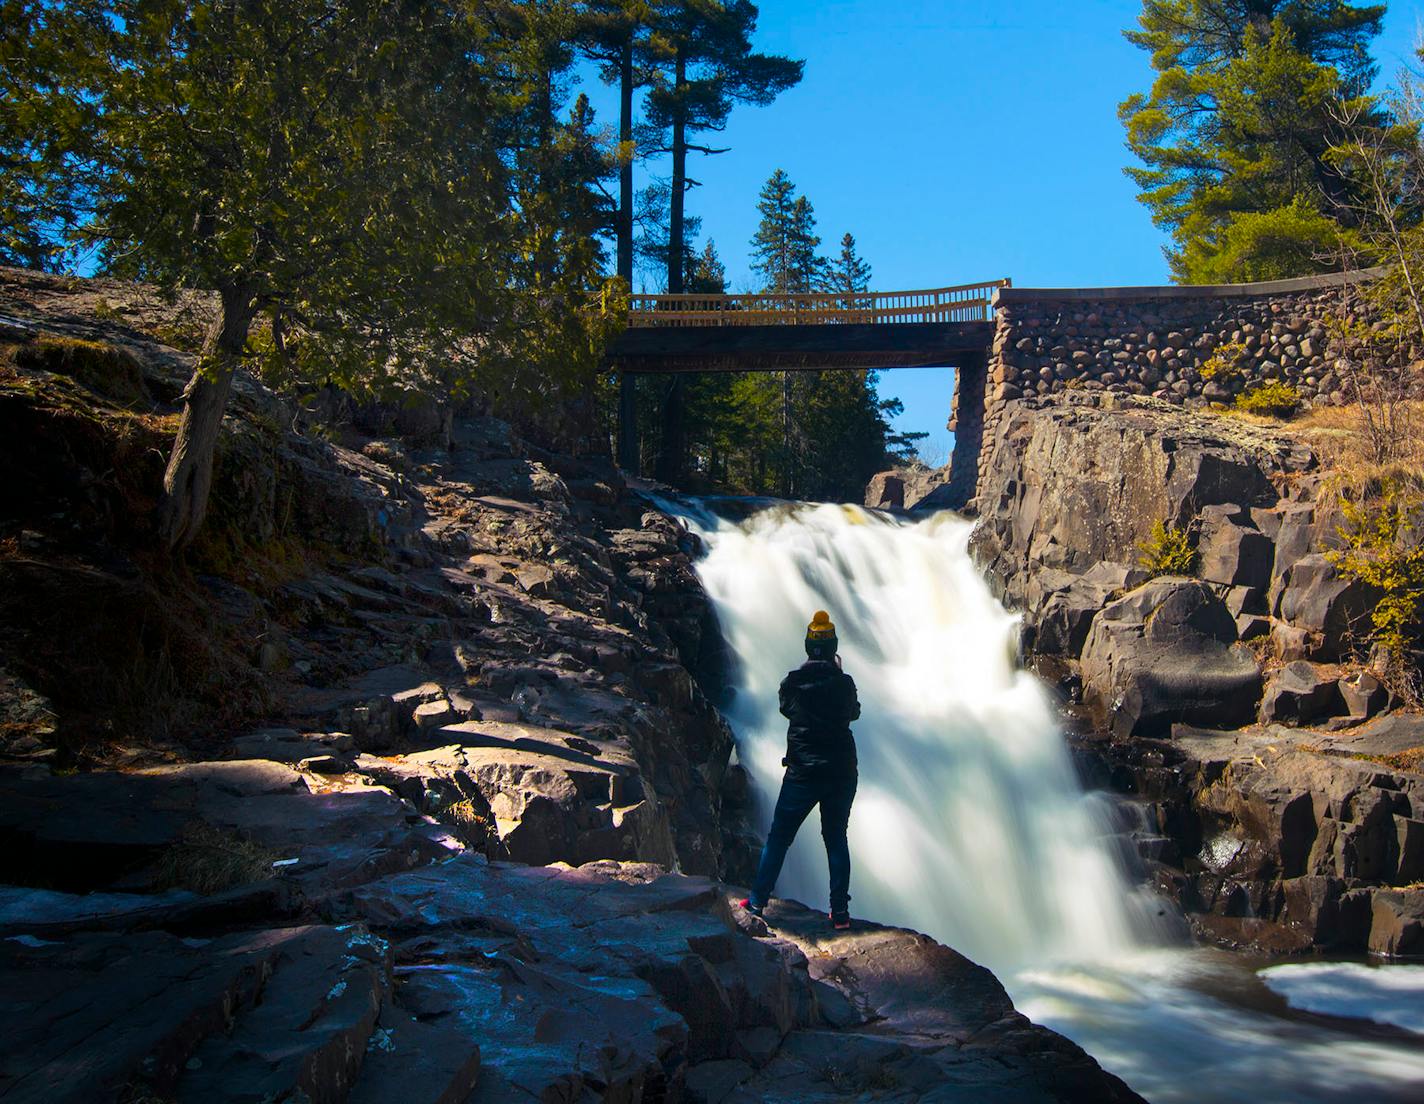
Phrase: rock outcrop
pixel 1283 799
pixel 379 959
pixel 1289 837
pixel 367 597
pixel 1167 652
pixel 915 487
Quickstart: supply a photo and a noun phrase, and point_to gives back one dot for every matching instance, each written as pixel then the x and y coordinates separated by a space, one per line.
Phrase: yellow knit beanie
pixel 820 627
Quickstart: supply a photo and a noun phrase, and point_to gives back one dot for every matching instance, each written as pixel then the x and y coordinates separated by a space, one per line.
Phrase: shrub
pixel 1272 399
pixel 1383 548
pixel 1167 551
pixel 1224 361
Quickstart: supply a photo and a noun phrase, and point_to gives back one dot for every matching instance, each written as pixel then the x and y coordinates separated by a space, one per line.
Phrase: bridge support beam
pixel 628 422
pixel 971 378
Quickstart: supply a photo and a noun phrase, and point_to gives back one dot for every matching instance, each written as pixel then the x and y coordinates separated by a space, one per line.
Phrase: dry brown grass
pixel 209 860
pixel 1339 438
pixel 1337 435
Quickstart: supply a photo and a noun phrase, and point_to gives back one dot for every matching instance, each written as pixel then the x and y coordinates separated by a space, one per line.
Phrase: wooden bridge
pixel 799 332
pixel 938 327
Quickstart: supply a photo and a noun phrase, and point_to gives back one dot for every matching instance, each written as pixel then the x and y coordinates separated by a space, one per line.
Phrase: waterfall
pixel 968 823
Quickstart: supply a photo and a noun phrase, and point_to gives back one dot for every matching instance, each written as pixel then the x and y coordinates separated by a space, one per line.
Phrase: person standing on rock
pixel 819 700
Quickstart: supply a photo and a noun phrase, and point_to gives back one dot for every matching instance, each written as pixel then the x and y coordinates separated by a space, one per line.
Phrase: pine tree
pixel 847 275
pixel 712 68
pixel 619 36
pixel 359 182
pixel 783 250
pixel 1239 125
pixel 708 275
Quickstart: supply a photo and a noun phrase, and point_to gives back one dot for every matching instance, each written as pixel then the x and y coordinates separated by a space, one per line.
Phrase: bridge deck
pixel 745 348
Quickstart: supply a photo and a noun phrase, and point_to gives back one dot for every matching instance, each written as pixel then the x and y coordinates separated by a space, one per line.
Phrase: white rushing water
pixel 969 823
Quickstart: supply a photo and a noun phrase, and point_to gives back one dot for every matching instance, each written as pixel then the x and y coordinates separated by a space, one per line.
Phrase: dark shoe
pixel 756 910
pixel 840 921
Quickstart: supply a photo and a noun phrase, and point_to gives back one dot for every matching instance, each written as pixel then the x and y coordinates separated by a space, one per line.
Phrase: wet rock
pixel 1397 926
pixel 1323 912
pixel 1167 653
pixel 1295 827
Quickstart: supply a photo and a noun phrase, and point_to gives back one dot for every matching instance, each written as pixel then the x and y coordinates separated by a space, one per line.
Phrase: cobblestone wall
pixel 1189 346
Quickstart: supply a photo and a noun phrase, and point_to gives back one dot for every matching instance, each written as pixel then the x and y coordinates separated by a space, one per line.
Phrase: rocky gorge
pixel 1283 791
pixel 408 784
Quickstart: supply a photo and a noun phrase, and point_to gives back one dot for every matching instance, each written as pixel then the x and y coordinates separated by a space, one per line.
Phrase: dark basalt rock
pixel 1167 653
pixel 1300 693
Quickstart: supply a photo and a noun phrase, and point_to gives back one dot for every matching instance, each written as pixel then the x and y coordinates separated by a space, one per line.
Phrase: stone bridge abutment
pixel 1190 346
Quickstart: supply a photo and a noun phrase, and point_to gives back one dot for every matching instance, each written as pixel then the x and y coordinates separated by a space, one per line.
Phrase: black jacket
pixel 820 701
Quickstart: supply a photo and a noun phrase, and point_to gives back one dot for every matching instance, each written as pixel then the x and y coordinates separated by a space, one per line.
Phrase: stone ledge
pixel 1011 295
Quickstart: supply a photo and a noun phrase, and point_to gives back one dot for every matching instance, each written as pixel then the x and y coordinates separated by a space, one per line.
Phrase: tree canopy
pixel 384 182
pixel 1236 132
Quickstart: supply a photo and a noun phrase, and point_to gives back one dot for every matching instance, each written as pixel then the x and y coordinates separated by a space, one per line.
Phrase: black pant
pixel 834 793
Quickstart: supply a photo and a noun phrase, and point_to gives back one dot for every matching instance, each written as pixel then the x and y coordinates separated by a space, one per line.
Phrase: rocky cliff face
pixel 1306 800
pixel 368 600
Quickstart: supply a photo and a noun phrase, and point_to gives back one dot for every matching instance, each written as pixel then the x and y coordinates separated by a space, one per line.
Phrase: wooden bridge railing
pixel 967 303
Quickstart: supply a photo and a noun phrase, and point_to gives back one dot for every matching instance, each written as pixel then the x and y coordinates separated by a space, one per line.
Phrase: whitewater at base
pixel 970 825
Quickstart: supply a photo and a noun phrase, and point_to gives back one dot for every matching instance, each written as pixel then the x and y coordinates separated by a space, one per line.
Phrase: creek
pixel 970 823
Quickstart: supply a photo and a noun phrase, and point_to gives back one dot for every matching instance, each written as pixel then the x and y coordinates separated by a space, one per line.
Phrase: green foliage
pixel 847 274
pixel 818 435
pixel 1383 549
pixel 1167 551
pixel 1279 244
pixel 1239 122
pixel 1270 399
pixel 710 67
pixel 1224 361
pixel 708 275
pixel 784 247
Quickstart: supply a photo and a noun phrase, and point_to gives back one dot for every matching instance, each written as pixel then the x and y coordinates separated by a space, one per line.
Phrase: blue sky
pixel 958 142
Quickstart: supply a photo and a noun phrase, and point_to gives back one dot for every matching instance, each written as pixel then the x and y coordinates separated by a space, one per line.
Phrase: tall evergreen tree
pixel 783 250
pixel 1238 126
pixel 847 274
pixel 620 36
pixel 712 69
pixel 784 256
